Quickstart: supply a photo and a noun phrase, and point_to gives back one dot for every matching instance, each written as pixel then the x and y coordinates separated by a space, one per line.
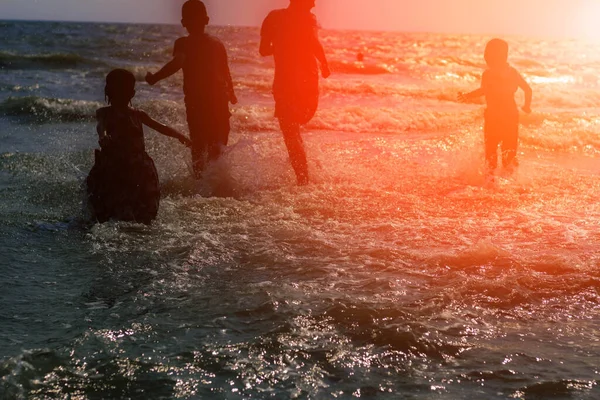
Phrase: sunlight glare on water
pixel 399 272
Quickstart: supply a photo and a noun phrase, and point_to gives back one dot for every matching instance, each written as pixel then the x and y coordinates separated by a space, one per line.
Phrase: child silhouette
pixel 290 35
pixel 499 84
pixel 123 183
pixel 207 85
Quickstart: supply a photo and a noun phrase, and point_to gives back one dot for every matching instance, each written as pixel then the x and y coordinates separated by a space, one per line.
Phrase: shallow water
pixel 398 273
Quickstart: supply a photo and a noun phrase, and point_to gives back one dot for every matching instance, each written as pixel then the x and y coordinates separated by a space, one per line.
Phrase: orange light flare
pixel 587 20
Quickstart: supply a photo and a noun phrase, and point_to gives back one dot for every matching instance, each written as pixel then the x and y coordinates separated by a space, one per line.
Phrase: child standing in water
pixel 499 84
pixel 207 85
pixel 291 36
pixel 123 183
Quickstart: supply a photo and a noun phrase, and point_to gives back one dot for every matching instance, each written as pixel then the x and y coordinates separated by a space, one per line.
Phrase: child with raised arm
pixel 123 183
pixel 207 85
pixel 499 84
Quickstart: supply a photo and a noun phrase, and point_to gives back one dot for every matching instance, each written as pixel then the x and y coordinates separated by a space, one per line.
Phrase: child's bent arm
pixel 320 54
pixel 528 93
pixel 100 128
pixel 103 138
pixel 266 46
pixel 164 129
pixel 169 69
pixel 228 81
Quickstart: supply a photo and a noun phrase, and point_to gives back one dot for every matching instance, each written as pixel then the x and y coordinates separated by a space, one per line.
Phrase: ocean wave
pixel 48 109
pixel 566 131
pixel 445 61
pixel 400 331
pixel 357 119
pixel 362 68
pixel 15 61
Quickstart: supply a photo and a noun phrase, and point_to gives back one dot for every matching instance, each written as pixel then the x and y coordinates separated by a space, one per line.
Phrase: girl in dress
pixel 123 183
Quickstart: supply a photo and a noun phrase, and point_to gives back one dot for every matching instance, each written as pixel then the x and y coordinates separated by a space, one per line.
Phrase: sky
pixel 557 18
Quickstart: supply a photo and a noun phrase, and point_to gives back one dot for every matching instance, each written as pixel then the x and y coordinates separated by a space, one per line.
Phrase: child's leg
pixel 509 147
pixel 214 151
pixel 199 150
pixel 197 135
pixel 295 147
pixel 220 128
pixel 491 146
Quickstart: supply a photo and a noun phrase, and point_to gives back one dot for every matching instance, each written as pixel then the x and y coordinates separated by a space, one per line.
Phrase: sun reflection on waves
pixel 562 79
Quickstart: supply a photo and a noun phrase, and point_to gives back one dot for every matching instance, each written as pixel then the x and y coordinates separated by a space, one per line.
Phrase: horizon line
pixel 323 28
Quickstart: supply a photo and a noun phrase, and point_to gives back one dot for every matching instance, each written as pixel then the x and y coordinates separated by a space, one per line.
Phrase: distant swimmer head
pixel 194 15
pixel 496 53
pixel 306 5
pixel 120 87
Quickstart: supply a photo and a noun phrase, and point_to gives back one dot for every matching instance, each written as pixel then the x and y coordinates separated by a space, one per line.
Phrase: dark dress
pixel 123 183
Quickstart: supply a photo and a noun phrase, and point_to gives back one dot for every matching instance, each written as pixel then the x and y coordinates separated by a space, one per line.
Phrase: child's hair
pixel 496 53
pixel 120 86
pixel 194 11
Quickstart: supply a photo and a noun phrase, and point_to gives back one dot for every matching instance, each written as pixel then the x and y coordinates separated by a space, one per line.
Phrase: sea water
pixel 399 272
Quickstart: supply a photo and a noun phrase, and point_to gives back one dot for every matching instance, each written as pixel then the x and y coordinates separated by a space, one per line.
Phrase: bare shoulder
pixel 274 15
pixel 215 41
pixel 485 75
pixel 137 113
pixel 215 44
pixel 101 112
pixel 180 41
pixel 516 75
pixel 180 44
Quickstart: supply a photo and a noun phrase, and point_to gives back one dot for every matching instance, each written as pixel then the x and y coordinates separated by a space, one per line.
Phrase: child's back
pixel 124 134
pixel 206 77
pixel 500 85
pixel 292 35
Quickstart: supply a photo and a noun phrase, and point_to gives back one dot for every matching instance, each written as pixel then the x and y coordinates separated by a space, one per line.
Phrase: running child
pixel 499 84
pixel 207 85
pixel 291 36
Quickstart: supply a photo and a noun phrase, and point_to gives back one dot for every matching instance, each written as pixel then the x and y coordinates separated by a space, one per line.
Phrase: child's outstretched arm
pixel 169 69
pixel 164 129
pixel 464 97
pixel 528 93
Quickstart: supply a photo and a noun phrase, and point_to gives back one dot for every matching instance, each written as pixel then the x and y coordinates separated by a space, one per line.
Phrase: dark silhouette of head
pixel 304 5
pixel 194 16
pixel 496 53
pixel 120 87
